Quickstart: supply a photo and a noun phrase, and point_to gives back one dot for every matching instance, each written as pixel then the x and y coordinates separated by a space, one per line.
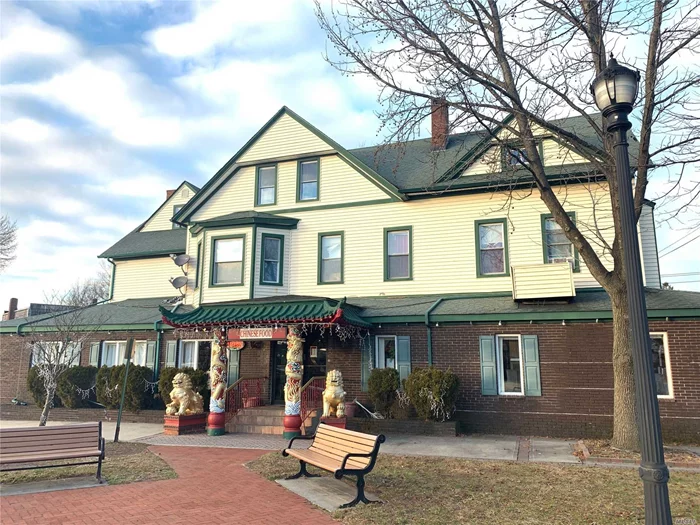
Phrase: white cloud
pixel 26 36
pixel 25 130
pixel 240 25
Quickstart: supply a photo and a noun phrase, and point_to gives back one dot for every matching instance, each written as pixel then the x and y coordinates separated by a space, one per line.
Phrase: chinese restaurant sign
pixel 246 334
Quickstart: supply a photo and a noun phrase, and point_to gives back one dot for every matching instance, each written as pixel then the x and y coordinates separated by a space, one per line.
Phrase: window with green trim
pixel 308 180
pixel 266 185
pixel 272 256
pixel 228 261
pixel 492 249
pixel 557 248
pixel 398 254
pixel 330 258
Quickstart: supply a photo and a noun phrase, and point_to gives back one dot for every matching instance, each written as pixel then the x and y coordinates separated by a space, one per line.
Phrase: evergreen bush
pixel 433 392
pixel 82 377
pixel 109 387
pixel 35 385
pixel 382 386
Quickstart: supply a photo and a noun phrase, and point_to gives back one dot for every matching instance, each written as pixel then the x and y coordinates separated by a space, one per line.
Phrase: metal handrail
pixel 238 394
pixel 311 396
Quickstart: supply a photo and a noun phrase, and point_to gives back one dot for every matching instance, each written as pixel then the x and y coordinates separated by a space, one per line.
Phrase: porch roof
pixel 288 309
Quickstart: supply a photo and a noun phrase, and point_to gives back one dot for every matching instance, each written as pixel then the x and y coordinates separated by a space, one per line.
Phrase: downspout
pixel 430 332
pixel 111 283
pixel 156 364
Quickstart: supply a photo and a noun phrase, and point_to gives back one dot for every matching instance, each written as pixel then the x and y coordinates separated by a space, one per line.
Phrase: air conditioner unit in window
pixel 564 260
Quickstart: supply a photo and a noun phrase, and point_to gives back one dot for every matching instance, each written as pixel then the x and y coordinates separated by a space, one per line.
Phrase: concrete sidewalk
pixel 502 448
pixel 127 431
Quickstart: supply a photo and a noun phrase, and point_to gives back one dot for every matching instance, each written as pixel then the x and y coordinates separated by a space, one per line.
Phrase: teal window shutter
pixel 234 366
pixel 170 354
pixel 487 356
pixel 366 359
pixel 94 354
pixel 403 356
pixel 531 364
pixel 151 355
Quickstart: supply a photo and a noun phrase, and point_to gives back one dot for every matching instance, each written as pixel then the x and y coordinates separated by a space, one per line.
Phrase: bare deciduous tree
pixel 8 241
pixel 517 65
pixel 84 292
pixel 56 343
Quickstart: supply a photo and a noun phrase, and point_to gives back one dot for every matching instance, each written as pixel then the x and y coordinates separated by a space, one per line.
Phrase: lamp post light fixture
pixel 615 90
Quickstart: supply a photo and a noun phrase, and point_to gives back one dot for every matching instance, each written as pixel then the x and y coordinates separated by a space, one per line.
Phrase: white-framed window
pixel 189 354
pixel 140 350
pixel 386 352
pixel 267 185
pixel 113 353
pixel 176 209
pixel 662 365
pixel 515 157
pixel 51 352
pixel 308 180
pixel 509 363
pixel 228 261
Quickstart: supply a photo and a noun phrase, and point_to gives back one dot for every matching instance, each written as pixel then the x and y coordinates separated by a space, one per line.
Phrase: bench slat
pixel 49 432
pixel 65 438
pixel 58 428
pixel 315 459
pixel 344 445
pixel 30 458
pixel 336 452
pixel 346 432
pixel 351 463
pixel 47 446
pixel 346 435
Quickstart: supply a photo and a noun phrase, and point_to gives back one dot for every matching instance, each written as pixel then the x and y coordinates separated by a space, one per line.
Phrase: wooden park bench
pixel 342 452
pixel 20 448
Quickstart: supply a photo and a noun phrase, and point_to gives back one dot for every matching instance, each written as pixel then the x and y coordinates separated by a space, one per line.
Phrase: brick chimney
pixel 169 193
pixel 440 123
pixel 12 308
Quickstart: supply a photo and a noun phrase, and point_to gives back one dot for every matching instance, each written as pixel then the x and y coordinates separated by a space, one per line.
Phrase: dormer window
pixel 307 183
pixel 266 185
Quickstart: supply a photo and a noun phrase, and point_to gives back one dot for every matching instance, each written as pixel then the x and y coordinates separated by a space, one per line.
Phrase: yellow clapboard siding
pixel 284 137
pixel 528 279
pixel 339 183
pixel 194 266
pixel 141 278
pixel 161 220
pixel 554 154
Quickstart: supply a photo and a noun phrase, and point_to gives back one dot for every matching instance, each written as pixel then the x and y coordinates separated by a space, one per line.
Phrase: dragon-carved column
pixel 216 421
pixel 292 388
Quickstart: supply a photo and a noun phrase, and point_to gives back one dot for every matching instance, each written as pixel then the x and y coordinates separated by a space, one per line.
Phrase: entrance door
pixel 234 362
pixel 314 356
pixel 279 360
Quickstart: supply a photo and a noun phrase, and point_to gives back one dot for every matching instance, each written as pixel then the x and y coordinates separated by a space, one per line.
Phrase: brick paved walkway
pixel 239 496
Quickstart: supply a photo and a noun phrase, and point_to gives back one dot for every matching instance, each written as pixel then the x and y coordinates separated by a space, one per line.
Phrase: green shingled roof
pixel 291 309
pixel 148 244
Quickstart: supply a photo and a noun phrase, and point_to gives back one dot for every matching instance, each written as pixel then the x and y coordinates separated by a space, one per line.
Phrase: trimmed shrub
pixel 35 385
pixel 433 392
pixel 77 377
pixel 109 387
pixel 382 386
pixel 200 383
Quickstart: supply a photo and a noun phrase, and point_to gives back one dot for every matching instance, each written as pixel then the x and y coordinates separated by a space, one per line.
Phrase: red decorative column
pixel 216 421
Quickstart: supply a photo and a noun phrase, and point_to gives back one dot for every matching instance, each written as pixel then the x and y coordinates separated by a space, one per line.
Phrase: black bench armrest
pixel 284 452
pixel 373 455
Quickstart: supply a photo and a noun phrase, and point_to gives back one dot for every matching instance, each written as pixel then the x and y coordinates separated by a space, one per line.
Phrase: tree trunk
pixel 625 429
pixel 48 405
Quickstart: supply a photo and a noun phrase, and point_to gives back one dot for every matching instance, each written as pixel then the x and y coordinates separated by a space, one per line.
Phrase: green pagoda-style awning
pixel 269 311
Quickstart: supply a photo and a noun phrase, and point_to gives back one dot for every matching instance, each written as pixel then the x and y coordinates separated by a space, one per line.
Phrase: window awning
pixel 270 311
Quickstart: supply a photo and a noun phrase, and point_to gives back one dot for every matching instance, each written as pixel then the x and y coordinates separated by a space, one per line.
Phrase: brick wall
pixel 255 362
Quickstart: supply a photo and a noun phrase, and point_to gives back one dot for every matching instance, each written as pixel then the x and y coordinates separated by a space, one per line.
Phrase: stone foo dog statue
pixel 334 395
pixel 185 401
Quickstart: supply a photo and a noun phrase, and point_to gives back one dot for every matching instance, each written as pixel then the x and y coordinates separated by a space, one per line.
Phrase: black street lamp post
pixel 615 90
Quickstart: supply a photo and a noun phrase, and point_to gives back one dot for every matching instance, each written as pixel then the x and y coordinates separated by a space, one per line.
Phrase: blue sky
pixel 105 105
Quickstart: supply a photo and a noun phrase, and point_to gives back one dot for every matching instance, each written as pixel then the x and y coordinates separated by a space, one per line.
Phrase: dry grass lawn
pixel 124 463
pixel 601 448
pixel 447 490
